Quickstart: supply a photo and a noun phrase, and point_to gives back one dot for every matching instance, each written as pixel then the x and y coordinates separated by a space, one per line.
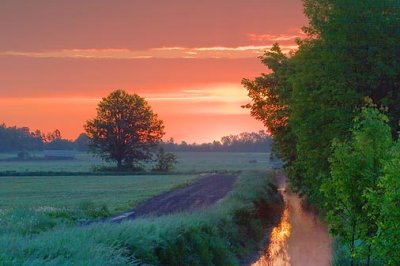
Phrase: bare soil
pixel 200 194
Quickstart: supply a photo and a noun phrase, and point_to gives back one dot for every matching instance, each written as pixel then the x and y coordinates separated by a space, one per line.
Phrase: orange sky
pixel 59 58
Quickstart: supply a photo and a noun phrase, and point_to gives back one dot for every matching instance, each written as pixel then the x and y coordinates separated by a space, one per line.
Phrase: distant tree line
pixel 243 142
pixel 23 139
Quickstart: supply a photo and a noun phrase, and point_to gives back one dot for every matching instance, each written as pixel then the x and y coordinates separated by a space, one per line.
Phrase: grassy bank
pixel 223 234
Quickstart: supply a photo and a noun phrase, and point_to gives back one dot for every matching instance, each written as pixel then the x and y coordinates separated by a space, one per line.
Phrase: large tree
pixel 125 130
pixel 311 96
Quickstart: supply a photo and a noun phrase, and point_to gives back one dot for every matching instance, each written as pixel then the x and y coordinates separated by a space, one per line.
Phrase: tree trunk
pixel 352 244
pixel 119 164
pixel 369 255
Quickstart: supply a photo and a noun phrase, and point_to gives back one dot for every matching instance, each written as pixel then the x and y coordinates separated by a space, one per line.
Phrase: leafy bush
pixel 165 161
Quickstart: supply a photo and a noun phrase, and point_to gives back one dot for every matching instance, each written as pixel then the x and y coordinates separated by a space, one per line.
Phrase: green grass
pixel 116 192
pixel 221 161
pixel 41 216
pixel 187 162
pixel 223 234
pixel 84 162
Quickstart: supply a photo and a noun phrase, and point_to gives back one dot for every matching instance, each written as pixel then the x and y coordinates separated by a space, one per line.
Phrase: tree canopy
pixel 125 130
pixel 310 98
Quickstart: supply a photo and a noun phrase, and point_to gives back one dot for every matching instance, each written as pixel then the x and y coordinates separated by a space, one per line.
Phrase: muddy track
pixel 200 194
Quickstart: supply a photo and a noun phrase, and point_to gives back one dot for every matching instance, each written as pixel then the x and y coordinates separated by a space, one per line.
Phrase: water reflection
pixel 299 239
pixel 277 252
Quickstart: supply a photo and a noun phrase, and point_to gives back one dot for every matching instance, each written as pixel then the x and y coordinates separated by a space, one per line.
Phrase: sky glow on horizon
pixel 187 58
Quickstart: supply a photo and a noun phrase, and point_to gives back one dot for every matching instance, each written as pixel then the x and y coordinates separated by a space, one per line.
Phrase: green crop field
pixel 51 236
pixel 187 162
pixel 116 192
pixel 42 204
pixel 220 161
pixel 83 162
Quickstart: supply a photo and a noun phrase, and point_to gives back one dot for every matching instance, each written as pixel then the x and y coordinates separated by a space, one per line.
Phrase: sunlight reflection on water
pixel 299 238
pixel 277 253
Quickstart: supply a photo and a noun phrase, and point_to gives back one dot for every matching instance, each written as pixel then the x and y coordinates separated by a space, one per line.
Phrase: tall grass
pixel 223 234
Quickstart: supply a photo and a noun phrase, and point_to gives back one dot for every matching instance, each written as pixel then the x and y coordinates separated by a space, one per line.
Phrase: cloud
pixel 223 98
pixel 246 51
pixel 272 38
pixel 224 92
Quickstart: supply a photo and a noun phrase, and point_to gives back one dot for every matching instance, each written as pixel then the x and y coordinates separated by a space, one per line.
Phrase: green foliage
pixel 270 94
pixel 388 204
pixel 356 167
pixel 125 130
pixel 312 95
pixel 165 161
pixel 336 151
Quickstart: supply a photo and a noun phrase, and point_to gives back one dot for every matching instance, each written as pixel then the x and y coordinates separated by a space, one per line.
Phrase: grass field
pixel 223 234
pixel 116 192
pixel 84 162
pixel 187 162
pixel 41 216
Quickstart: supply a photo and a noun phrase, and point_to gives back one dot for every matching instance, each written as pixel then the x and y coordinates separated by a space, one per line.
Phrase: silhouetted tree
pixel 19 139
pixel 125 130
pixel 59 144
pixel 56 134
pixel 82 142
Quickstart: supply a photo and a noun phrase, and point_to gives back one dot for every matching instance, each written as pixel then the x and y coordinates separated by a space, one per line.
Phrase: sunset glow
pixel 186 58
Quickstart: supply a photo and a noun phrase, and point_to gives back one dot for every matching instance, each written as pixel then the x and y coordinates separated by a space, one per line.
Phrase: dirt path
pixel 300 239
pixel 200 194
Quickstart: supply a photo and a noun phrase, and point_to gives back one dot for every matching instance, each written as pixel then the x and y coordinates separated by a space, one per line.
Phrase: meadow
pixel 117 193
pixel 226 233
pixel 41 217
pixel 187 162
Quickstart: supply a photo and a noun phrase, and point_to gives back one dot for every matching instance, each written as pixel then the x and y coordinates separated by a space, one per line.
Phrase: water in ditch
pixel 300 238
